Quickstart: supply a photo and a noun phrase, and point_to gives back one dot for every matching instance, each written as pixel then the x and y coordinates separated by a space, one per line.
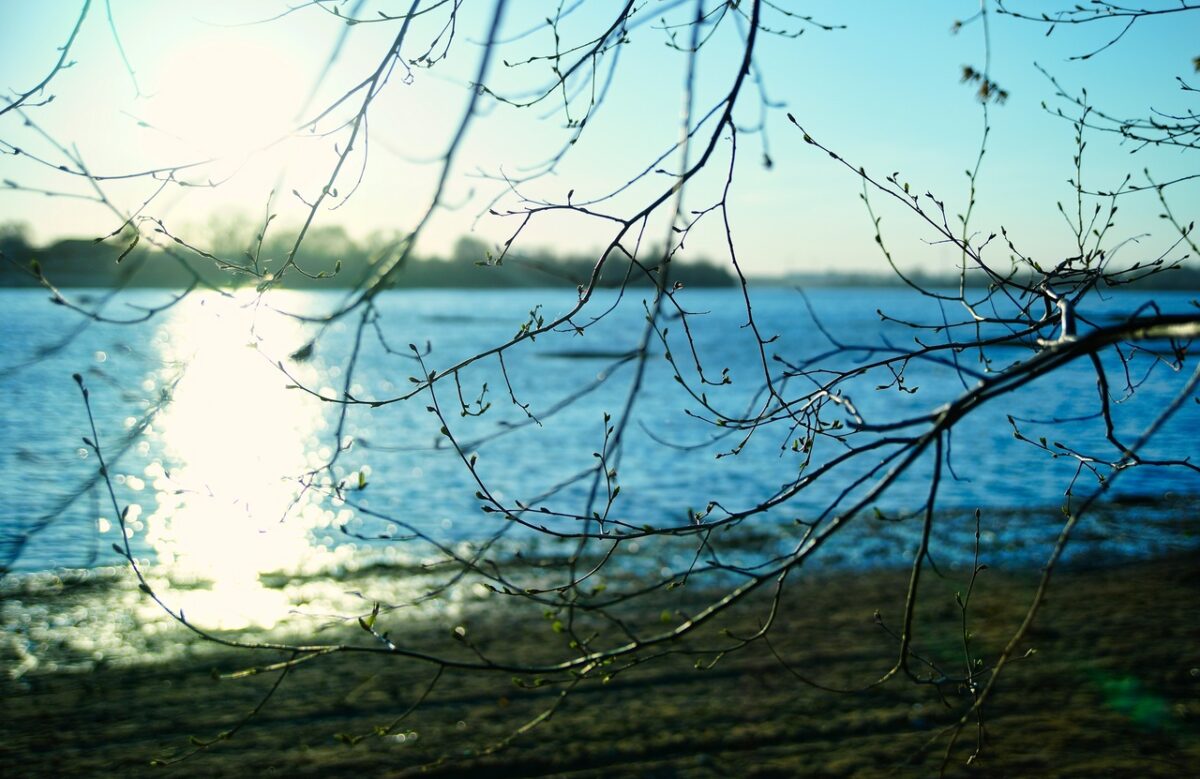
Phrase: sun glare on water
pixel 234 440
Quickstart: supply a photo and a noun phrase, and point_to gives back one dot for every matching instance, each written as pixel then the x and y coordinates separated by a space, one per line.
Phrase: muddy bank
pixel 1113 689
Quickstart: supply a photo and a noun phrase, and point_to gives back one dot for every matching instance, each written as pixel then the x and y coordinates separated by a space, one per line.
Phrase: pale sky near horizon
pixel 885 93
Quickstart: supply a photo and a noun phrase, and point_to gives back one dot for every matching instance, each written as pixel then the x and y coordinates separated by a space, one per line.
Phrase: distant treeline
pixel 1182 278
pixel 342 262
pixel 329 253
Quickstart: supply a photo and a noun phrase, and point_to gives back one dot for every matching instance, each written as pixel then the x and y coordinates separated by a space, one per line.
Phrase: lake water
pixel 223 528
pixel 212 475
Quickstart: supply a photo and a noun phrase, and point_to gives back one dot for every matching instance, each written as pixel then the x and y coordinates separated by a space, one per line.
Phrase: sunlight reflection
pixel 234 439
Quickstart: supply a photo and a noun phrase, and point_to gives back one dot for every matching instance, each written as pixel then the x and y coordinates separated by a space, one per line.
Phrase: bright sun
pixel 226 96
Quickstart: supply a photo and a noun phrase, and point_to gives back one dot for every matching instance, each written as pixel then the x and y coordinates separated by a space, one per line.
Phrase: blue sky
pixel 884 92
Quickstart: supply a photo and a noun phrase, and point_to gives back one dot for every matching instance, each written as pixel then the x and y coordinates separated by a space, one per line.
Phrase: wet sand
pixel 1113 690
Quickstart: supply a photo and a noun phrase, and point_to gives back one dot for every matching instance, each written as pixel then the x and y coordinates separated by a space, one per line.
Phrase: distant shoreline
pixel 341 264
pixel 1185 281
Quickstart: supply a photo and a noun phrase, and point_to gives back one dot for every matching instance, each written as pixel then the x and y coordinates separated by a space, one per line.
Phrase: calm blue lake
pixel 214 476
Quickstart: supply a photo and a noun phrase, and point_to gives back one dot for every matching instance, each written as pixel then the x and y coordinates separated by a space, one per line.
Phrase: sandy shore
pixel 1113 690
